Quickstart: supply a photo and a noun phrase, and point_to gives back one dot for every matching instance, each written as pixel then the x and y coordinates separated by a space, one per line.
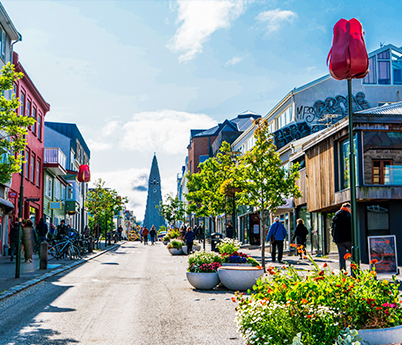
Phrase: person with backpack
pixel 277 234
pixel 342 232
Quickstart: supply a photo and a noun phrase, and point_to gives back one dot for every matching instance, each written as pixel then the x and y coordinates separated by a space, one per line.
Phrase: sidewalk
pixel 303 265
pixel 30 274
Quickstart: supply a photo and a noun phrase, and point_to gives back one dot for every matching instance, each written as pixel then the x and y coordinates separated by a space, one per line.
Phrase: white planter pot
pixel 175 251
pixel 184 249
pixel 239 278
pixel 197 248
pixel 234 264
pixel 381 336
pixel 203 281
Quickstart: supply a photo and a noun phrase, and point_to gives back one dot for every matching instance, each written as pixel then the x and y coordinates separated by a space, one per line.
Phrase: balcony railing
pixel 54 156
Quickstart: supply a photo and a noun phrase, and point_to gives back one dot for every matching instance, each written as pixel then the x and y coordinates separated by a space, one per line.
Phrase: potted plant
pixel 202 269
pixel 239 259
pixel 228 246
pixel 166 239
pixel 174 247
pixel 324 303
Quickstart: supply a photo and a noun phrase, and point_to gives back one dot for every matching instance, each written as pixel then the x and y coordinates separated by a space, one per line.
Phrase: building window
pixel 34 116
pixel 344 162
pixel 38 173
pixel 32 168
pixel 48 187
pixel 22 100
pixel 28 108
pixel 63 193
pixel 396 67
pixel 26 164
pixel 371 77
pixel 3 39
pixel 377 220
pixel 39 127
pixel 385 69
pixel 57 189
pixel 284 118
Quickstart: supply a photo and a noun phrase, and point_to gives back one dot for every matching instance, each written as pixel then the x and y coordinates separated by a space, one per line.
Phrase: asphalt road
pixel 133 295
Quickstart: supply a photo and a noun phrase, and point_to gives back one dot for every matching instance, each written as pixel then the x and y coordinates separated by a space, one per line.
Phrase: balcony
pixel 54 160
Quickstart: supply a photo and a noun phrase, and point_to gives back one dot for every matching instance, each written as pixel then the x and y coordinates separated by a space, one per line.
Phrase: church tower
pixel 152 216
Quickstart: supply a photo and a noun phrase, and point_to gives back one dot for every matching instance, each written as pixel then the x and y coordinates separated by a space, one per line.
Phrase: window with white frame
pixel 38 173
pixel 385 69
pixel 284 118
pixel 32 168
pixel 3 38
pixel 63 193
pixel 57 189
pixel 49 187
pixel 271 127
pixel 34 116
pixel 39 122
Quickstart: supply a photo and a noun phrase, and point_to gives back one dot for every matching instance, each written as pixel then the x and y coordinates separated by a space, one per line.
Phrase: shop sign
pixel 12 195
pixel 55 205
pixel 32 199
pixel 383 249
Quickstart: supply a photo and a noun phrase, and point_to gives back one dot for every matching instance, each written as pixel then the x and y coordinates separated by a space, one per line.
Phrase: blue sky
pixel 137 75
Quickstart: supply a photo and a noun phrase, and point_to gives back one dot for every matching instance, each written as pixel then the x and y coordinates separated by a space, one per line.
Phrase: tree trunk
pixel 262 235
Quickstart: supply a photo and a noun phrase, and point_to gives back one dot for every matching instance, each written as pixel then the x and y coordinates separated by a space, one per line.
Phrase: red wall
pixel 34 104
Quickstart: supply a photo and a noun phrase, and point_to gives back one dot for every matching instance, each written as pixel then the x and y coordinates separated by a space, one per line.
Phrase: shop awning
pixel 7 205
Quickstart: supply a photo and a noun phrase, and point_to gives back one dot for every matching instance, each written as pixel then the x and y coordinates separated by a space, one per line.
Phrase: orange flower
pixel 325 264
pixel 233 299
pixel 353 266
pixel 373 262
pixel 309 316
pixel 347 256
pixel 321 273
pixel 304 301
pixel 293 245
pixel 301 246
pixel 304 257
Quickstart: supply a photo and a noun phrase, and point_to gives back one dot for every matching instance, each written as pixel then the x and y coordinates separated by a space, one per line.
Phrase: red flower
pixel 348 56
pixel 325 264
pixel 347 256
pixel 373 262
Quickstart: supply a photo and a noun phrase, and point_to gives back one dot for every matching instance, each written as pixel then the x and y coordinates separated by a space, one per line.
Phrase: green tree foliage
pixel 102 204
pixel 13 128
pixel 207 189
pixel 172 210
pixel 264 181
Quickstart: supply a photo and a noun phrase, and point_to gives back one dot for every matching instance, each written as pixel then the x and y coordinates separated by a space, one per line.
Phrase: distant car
pixel 162 234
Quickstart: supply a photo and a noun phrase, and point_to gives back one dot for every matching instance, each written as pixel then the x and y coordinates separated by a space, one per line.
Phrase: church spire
pixel 152 216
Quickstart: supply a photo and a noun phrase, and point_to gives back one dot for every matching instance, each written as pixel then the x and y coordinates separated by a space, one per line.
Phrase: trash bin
pixel 215 239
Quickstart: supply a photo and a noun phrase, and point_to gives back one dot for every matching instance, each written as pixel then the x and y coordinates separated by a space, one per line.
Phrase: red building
pixel 32 104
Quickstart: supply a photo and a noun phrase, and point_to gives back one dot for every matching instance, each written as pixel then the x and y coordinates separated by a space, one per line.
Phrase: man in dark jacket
pixel 42 229
pixel 342 233
pixel 279 233
pixel 189 237
pixel 62 230
pixel 14 238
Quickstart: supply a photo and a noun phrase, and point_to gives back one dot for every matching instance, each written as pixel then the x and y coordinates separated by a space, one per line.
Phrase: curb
pixel 20 287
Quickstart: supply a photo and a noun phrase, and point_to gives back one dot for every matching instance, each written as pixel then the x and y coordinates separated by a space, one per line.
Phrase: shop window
pixel 381 170
pixel 344 162
pixel 377 220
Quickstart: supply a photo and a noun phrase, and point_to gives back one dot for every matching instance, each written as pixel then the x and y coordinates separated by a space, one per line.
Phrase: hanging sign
pixel 383 249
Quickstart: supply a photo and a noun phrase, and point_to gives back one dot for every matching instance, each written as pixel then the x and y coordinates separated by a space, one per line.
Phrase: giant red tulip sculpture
pixel 348 57
pixel 84 175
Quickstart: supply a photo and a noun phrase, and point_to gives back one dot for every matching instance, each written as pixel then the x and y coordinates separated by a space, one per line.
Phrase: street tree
pixel 172 210
pixel 102 205
pixel 265 182
pixel 13 128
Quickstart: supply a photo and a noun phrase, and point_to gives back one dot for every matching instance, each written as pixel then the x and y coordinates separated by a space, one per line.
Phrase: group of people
pixel 341 234
pixel 153 234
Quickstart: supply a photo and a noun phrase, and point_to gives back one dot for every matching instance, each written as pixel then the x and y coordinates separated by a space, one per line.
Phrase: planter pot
pixel 175 251
pixel 165 243
pixel 184 249
pixel 203 281
pixel 197 248
pixel 239 278
pixel 235 264
pixel 381 336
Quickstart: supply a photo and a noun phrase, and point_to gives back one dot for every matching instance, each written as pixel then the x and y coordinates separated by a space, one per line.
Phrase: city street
pixel 130 295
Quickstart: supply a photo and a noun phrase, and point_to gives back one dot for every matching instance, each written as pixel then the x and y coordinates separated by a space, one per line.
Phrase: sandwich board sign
pixel 383 249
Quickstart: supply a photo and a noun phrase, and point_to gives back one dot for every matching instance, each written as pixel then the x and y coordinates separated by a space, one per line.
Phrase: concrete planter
pixel 203 281
pixel 234 264
pixel 239 278
pixel 381 336
pixel 197 248
pixel 175 251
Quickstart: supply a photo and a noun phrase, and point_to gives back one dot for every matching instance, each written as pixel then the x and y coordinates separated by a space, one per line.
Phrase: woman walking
pixel 300 235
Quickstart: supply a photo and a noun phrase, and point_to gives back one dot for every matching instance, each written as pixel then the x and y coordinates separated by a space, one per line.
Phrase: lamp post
pixel 20 215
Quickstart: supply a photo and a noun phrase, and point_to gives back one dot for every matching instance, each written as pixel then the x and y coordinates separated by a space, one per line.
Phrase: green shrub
pixel 175 244
pixel 166 238
pixel 173 234
pixel 228 246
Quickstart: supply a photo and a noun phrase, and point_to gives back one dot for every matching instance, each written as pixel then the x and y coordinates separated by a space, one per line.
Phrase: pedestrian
pixel 28 240
pixel 152 233
pixel 61 230
pixel 42 230
pixel 119 232
pixel 277 233
pixel 189 237
pixel 87 232
pixel 141 235
pixel 182 231
pixel 342 232
pixel 300 236
pixel 14 238
pixel 145 233
pixel 229 230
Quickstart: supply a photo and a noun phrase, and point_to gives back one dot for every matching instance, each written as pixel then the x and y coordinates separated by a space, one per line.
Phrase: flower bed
pixel 239 258
pixel 317 306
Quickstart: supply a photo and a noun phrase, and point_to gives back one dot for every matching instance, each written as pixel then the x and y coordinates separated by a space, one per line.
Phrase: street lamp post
pixel 20 215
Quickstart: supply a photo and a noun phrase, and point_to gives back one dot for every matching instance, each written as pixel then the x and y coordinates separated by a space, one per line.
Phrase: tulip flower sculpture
pixel 84 174
pixel 348 59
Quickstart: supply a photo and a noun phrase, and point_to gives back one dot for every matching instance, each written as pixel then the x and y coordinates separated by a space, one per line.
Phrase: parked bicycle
pixel 64 248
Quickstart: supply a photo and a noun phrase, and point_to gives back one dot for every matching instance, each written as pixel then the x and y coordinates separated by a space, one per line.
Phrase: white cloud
pixel 274 18
pixel 199 19
pixel 110 127
pixel 97 146
pixel 165 131
pixel 234 61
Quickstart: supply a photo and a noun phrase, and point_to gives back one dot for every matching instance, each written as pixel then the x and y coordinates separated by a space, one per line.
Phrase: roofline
pixel 31 85
pixel 8 26
pixel 386 47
